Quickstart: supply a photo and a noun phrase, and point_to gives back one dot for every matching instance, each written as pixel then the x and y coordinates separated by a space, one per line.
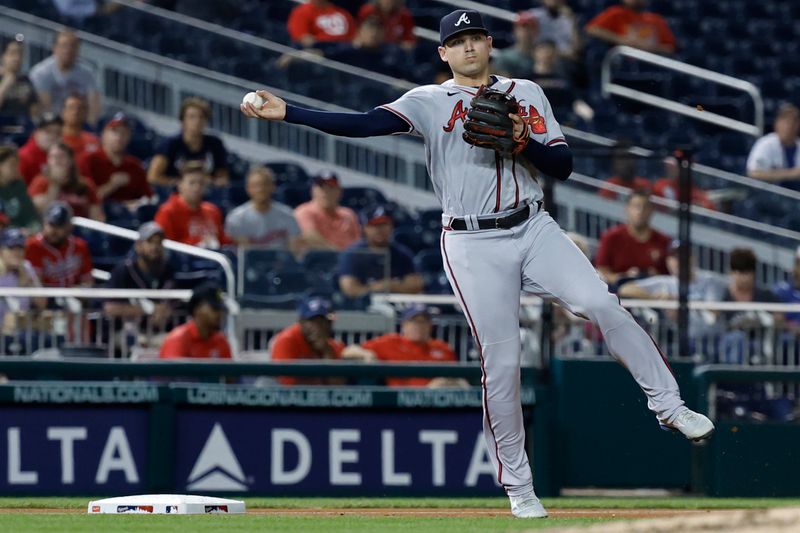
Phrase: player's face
pixel 378 235
pixel 467 53
pixel 56 235
pixel 417 329
pixel 194 120
pixel 260 187
pixel 192 187
pixel 115 140
pixel 638 211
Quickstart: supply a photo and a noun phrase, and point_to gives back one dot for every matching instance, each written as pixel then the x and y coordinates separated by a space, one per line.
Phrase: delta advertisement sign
pixel 325 452
pixel 64 450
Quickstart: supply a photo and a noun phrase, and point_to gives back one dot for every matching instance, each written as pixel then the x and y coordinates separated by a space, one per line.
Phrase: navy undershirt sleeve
pixel 554 161
pixel 371 124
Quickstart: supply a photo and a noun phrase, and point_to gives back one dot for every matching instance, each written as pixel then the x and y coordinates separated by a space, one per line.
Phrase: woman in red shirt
pixel 61 181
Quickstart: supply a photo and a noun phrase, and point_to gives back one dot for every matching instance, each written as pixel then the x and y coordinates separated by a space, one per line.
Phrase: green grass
pixel 79 522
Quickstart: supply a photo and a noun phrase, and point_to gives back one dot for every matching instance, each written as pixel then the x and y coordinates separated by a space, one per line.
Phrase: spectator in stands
pixel 743 329
pixel 368 50
pixel 33 154
pixel 73 133
pixel 703 287
pixel 788 291
pixel 18 96
pixel 59 258
pixel 548 71
pixel 61 181
pixel 14 199
pixel 633 249
pixel 146 268
pixel 413 343
pixel 60 75
pixel 320 21
pixel 118 176
pixel 324 223
pixel 310 338
pixel 201 335
pixel 186 218
pixel 775 157
pixel 629 24
pixel 395 18
pixel 262 221
pixel 556 23
pixel 191 144
pixel 669 185
pixel 362 267
pixel 624 167
pixel 517 60
pixel 16 271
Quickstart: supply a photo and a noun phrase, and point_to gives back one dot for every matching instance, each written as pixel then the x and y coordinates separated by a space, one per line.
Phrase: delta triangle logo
pixel 217 468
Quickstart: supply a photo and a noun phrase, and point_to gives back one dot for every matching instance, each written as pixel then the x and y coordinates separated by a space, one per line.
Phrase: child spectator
pixel 16 204
pixel 186 218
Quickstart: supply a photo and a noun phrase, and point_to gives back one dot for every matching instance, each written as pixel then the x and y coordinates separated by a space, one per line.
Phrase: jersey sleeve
pixel 554 136
pixel 414 108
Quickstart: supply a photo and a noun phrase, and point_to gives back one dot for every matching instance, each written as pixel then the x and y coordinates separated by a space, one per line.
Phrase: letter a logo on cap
pixel 463 18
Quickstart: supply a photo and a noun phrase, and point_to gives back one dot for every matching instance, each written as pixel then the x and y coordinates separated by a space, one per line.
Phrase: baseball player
pixel 496 239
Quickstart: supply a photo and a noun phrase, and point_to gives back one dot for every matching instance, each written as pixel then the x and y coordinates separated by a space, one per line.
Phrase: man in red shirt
pixel 117 175
pixel 633 249
pixel 186 218
pixel 310 338
pixel 320 21
pixel 59 258
pixel 396 19
pixel 33 154
pixel 631 25
pixel 200 337
pixel 324 223
pixel 74 116
pixel 413 343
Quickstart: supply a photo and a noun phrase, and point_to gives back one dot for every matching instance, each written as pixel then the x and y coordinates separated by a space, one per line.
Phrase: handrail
pixel 696 209
pixel 697 167
pixel 260 42
pixel 89 292
pixel 484 9
pixel 684 68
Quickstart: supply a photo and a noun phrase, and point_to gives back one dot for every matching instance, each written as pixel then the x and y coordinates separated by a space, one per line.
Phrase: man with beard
pixel 145 268
pixel 200 337
pixel 59 258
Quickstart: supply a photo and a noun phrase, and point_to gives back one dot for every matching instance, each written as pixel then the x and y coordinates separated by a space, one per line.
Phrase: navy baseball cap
pixel 206 294
pixel 12 238
pixel 58 214
pixel 375 215
pixel 415 310
pixel 459 21
pixel 148 229
pixel 315 306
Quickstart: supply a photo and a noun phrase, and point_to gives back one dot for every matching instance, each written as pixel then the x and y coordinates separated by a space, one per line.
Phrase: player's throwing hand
pixel 274 108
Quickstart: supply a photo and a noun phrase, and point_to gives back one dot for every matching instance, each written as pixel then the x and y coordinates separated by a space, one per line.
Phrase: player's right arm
pixel 373 123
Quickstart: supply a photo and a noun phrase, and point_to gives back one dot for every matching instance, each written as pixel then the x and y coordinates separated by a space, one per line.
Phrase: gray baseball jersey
pixel 273 228
pixel 469 180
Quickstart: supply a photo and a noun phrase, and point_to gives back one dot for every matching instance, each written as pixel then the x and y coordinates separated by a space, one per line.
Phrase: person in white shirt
pixel 774 157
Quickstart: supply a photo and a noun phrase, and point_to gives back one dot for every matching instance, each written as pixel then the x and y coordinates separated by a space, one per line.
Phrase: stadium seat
pixel 288 172
pixel 358 198
pixel 293 194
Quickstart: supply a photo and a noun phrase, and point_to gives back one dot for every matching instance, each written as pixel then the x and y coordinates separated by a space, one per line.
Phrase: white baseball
pixel 254 99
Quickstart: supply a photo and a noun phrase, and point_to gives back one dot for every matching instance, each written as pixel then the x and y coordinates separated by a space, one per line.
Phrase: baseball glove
pixel 488 124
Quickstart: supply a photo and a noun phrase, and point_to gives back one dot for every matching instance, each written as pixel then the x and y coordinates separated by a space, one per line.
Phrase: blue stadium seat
pixel 288 172
pixel 410 237
pixel 358 198
pixel 320 262
pixel 429 261
pixel 293 194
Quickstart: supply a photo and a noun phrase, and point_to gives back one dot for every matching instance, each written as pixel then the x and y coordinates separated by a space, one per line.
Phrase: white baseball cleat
pixel 694 426
pixel 527 506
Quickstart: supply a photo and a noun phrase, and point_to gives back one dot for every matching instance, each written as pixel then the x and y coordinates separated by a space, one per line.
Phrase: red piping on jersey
pixel 480 355
pixel 559 140
pixel 516 183
pixel 399 114
pixel 511 87
pixel 499 181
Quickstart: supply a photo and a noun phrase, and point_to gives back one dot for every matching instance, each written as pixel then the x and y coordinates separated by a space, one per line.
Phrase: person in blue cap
pixel 363 267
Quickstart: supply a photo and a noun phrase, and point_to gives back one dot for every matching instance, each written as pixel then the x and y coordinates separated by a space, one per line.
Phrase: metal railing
pixel 608 87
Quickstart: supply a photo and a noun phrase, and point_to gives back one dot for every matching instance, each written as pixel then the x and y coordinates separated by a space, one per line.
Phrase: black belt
pixel 459 224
